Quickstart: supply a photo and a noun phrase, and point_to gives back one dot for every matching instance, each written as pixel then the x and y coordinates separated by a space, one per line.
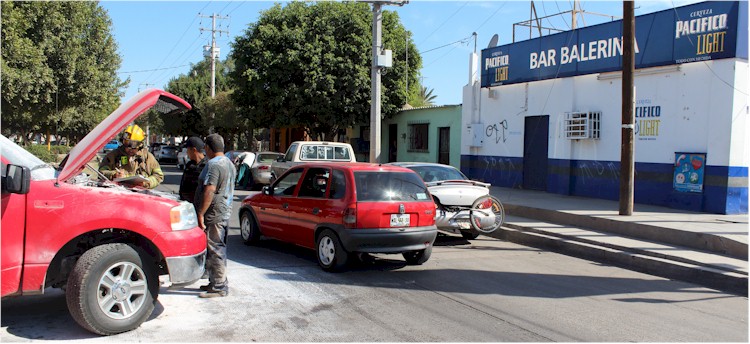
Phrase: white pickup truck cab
pixel 300 152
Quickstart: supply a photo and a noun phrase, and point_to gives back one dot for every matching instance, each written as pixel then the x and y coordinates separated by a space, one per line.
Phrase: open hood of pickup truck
pixel 85 150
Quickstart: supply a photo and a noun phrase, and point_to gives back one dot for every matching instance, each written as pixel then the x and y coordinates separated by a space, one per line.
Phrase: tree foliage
pixel 59 66
pixel 423 97
pixel 308 64
pixel 195 88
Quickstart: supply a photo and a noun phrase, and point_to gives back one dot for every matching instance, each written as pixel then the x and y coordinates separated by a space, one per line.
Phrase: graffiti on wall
pixel 596 169
pixel 501 167
pixel 497 130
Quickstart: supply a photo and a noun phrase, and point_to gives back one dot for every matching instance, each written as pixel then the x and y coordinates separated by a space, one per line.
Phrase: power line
pixel 462 40
pixel 152 70
pixel 445 21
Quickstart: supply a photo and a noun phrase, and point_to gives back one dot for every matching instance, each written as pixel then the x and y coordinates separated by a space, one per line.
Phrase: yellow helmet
pixel 133 133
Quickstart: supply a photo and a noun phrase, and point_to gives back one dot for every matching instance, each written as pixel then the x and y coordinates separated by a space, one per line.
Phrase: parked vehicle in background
pixel 261 168
pixel 233 154
pixel 312 151
pixel 343 209
pixel 167 153
pixel 62 229
pixel 455 195
pixel 111 145
pixel 155 147
pixel 182 158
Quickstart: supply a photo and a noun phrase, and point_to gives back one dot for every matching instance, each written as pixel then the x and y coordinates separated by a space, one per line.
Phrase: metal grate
pixel 582 125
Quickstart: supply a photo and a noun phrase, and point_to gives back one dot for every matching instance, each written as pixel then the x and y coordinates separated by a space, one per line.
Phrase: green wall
pixel 436 117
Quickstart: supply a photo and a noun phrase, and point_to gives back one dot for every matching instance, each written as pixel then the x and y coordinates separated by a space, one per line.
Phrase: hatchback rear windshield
pixel 390 186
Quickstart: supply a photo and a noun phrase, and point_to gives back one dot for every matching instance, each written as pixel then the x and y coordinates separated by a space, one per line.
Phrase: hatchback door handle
pixel 285 205
pixel 315 211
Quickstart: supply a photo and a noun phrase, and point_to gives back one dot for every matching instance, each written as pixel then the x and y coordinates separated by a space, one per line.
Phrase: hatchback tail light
pixel 350 216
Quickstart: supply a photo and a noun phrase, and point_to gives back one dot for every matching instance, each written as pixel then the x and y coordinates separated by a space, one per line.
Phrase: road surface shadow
pixel 22 317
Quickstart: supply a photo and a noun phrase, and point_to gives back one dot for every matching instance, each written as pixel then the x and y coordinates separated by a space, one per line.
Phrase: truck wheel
pixel 331 254
pixel 112 289
pixel 418 257
pixel 248 229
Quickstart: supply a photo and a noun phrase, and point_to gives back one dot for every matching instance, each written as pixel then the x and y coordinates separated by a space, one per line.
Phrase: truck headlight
pixel 183 216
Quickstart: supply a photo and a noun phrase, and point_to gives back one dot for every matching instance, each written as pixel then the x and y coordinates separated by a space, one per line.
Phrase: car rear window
pixel 267 157
pixel 432 173
pixel 324 152
pixel 390 186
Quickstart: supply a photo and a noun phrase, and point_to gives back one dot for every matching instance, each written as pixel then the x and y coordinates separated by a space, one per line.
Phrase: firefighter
pixel 131 159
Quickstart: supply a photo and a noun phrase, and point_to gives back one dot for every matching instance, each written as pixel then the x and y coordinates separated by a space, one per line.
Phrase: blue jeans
pixel 216 260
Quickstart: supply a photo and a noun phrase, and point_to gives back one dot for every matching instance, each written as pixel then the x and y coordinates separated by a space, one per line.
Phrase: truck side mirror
pixel 17 179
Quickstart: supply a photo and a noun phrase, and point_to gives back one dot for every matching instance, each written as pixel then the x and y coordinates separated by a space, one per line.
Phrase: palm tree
pixel 423 98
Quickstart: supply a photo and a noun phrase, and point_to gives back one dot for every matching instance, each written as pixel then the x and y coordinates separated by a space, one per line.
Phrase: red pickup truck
pixel 103 243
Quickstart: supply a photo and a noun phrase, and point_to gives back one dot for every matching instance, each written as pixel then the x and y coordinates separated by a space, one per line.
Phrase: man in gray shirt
pixel 213 202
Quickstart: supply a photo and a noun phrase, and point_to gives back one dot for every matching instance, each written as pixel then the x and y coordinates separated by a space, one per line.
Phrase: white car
pixel 182 159
pixel 454 195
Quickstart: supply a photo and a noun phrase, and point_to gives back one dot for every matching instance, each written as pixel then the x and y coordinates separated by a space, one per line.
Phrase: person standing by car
pixel 244 161
pixel 194 166
pixel 213 203
pixel 132 159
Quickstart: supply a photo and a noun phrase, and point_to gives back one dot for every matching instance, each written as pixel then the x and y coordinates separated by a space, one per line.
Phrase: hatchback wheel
pixel 331 254
pixel 418 257
pixel 248 229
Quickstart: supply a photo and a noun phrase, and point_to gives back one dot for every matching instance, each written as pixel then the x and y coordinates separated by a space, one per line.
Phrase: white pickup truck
pixel 300 152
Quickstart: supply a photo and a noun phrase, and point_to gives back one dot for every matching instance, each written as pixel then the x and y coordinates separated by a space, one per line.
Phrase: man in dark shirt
pixel 193 168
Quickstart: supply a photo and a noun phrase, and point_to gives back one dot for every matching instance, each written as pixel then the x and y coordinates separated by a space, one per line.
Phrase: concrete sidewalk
pixel 702 248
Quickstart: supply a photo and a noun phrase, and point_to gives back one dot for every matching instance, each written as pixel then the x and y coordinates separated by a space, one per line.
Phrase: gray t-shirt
pixel 219 172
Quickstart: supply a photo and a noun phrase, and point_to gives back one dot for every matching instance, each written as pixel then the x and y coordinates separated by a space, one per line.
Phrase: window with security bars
pixel 582 125
pixel 418 135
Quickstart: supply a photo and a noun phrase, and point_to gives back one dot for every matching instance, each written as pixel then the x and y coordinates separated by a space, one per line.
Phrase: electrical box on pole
pixel 385 59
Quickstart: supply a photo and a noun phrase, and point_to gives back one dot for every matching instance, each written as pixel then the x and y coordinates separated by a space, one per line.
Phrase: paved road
pixel 483 290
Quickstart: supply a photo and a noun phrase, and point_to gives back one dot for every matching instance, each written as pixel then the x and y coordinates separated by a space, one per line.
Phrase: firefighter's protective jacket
pixel 142 163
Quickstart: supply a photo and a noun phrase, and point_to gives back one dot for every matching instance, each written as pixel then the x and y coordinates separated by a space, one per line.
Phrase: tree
pixel 308 64
pixel 195 88
pixel 59 66
pixel 422 98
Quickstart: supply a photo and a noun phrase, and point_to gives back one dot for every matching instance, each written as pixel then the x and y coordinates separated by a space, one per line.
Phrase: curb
pixel 664 267
pixel 700 241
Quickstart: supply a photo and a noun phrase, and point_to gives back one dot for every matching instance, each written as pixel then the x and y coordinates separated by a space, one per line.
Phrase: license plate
pixel 400 220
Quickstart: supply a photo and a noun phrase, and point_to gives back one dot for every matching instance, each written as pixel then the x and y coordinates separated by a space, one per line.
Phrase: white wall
pixel 703 108
pixel 738 156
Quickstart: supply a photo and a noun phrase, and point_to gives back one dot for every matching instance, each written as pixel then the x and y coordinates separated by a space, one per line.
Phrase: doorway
pixel 535 147
pixel 392 142
pixel 444 145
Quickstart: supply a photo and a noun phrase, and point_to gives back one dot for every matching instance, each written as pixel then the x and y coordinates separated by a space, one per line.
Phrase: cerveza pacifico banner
pixel 698 32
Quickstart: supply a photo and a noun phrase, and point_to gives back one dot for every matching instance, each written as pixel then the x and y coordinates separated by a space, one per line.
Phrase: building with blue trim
pixel 545 113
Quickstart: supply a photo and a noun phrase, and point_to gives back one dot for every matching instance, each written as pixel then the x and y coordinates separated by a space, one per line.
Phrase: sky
pixel 159 40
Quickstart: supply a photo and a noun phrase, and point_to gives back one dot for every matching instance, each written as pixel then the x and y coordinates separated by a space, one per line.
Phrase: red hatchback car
pixel 339 209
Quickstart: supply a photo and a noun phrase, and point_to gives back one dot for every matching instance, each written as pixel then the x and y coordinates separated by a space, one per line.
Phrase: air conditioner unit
pixel 582 125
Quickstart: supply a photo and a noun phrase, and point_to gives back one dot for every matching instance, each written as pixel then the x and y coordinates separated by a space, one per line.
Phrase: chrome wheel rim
pixel 122 290
pixel 326 250
pixel 245 228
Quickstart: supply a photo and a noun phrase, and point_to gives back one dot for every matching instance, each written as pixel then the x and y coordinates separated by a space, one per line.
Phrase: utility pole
pixel 627 164
pixel 212 51
pixel 379 60
pixel 146 85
